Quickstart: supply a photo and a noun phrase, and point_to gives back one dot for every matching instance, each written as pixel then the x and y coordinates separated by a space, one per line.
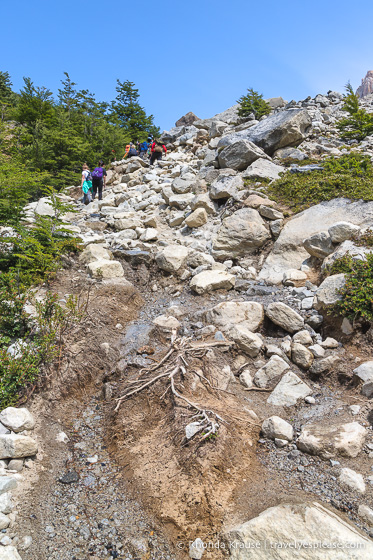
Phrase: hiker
pixel 99 179
pixel 157 149
pixel 143 149
pixel 132 151
pixel 86 184
pixel 128 147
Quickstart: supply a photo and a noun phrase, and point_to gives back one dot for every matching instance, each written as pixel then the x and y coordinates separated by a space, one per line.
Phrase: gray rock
pixel 303 337
pixel 6 504
pixel 203 201
pixel 4 521
pixel 324 365
pixel 282 315
pixel 273 368
pixel 239 154
pixel 288 251
pixel 319 245
pixel 180 201
pixel 196 549
pixel 241 233
pixel 105 269
pixel 172 258
pixel 327 293
pixel 276 427
pixel 366 513
pixel 328 441
pixel 186 120
pixel 286 128
pixel 341 231
pixel 7 483
pixel 364 372
pixel 270 213
pixel 263 169
pixel 301 355
pixel 289 390
pixel 290 154
pixel 246 340
pixel 225 187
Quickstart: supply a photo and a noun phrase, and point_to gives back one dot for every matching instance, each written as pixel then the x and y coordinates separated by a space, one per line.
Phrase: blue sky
pixel 198 56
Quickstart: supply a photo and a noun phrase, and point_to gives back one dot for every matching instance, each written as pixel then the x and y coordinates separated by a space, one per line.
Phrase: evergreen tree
pixel 253 102
pixel 359 124
pixel 7 97
pixel 129 114
pixel 67 96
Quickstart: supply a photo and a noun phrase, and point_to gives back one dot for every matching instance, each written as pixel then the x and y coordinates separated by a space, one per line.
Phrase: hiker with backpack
pixel 157 149
pixel 143 149
pixel 99 179
pixel 86 184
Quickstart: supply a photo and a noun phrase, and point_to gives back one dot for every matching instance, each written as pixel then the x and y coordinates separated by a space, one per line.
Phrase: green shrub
pixel 364 239
pixel 350 176
pixel 359 124
pixel 253 102
pixel 357 294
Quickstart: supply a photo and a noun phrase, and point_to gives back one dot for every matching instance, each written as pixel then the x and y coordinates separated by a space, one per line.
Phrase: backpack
pixel 158 148
pixel 89 177
pixel 144 147
pixel 97 173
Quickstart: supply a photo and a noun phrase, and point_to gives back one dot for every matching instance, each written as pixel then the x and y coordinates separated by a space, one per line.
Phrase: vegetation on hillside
pixel 54 136
pixel 359 123
pixel 253 102
pixel 350 176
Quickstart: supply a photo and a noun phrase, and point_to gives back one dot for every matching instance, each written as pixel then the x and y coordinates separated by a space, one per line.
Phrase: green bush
pixel 253 102
pixel 350 176
pixel 359 123
pixel 357 294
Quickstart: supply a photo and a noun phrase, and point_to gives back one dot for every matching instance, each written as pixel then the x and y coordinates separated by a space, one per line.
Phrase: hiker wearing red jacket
pixel 157 148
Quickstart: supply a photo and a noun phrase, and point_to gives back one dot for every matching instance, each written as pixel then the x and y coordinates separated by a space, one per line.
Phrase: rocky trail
pixel 208 398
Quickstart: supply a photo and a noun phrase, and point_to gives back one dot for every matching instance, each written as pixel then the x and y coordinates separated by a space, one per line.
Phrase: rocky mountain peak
pixel 366 87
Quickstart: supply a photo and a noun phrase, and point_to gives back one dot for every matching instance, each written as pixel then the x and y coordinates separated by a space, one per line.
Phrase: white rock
pixel 327 441
pixel 13 446
pixel 341 231
pixel 192 428
pixel 292 276
pixel 6 504
pixel 329 343
pixel 317 350
pixel 106 269
pixel 288 524
pixel 9 553
pixel 210 280
pixel 327 293
pixel 228 313
pixel 366 513
pixel 4 521
pixel 301 355
pixel 303 337
pixel 150 234
pixel 246 378
pixel 166 323
pixel 197 218
pixel 282 315
pixel 289 390
pixel 364 372
pixel 273 368
pixel 172 258
pixel 196 549
pixel 353 480
pixel 94 252
pixel 248 341
pixel 276 427
pixel 17 419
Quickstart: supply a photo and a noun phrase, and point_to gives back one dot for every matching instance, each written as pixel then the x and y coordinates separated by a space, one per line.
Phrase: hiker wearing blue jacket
pixel 99 180
pixel 143 149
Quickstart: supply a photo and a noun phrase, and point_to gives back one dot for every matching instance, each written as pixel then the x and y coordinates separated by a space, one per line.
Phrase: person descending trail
pixel 86 184
pixel 99 179
pixel 157 149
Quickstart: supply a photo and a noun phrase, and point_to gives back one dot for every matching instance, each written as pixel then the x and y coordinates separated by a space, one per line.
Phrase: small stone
pixel 330 343
pixel 15 465
pixel 366 513
pixel 353 480
pixel 281 442
pixel 69 477
pixel 354 409
pixel 196 549
pixel 4 522
pixel 310 400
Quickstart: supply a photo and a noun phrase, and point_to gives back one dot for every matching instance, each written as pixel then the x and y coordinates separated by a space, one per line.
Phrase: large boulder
pixel 289 390
pixel 229 313
pixel 285 317
pixel 210 280
pixel 172 258
pixel 341 231
pixel 288 251
pixel 187 120
pixel 276 532
pixel 17 419
pixel 14 446
pixel 327 440
pixel 286 128
pixel 241 233
pixel 239 154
